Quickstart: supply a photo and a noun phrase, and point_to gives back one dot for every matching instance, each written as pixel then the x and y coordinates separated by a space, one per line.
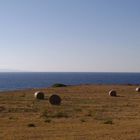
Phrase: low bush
pixel 47 121
pixel 108 122
pixel 31 125
pixel 59 85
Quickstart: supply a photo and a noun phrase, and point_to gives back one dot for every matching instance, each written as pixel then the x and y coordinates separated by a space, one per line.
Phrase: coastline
pixel 21 81
pixel 40 88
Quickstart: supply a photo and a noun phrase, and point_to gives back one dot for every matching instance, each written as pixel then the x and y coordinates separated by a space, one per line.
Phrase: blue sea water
pixel 15 81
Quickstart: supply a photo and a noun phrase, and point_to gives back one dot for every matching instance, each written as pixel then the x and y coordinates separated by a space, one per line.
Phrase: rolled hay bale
pixel 112 93
pixel 55 99
pixel 138 89
pixel 39 95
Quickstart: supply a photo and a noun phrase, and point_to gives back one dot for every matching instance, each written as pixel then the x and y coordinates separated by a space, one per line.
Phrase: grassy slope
pixel 86 113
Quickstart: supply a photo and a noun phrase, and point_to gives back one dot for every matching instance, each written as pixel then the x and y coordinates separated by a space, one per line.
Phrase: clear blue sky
pixel 70 35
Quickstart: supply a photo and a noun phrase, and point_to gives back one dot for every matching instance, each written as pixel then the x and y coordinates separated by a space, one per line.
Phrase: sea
pixel 29 80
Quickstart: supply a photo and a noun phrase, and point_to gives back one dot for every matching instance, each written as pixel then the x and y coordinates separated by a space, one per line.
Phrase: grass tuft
pixel 108 122
pixel 47 121
pixel 82 120
pixel 31 125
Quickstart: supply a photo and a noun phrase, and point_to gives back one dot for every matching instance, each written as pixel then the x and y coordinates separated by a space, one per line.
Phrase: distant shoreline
pixel 78 85
pixel 28 80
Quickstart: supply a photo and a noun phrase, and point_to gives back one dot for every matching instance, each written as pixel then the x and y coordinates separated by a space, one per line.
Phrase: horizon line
pixel 68 72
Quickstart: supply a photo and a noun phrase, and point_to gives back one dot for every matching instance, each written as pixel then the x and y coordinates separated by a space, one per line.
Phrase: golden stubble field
pixel 87 112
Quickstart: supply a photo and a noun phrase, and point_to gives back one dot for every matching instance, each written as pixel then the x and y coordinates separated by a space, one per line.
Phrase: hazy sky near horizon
pixel 70 35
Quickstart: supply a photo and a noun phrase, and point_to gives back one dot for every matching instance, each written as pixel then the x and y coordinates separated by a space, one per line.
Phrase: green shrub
pixel 59 85
pixel 108 122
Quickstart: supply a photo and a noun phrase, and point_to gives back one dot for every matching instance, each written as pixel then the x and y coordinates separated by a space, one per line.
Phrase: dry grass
pixel 87 112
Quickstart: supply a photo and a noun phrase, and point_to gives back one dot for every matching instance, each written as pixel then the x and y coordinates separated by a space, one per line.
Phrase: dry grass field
pixel 87 112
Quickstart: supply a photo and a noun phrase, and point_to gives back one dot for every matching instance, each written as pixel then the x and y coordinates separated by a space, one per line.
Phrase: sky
pixel 70 35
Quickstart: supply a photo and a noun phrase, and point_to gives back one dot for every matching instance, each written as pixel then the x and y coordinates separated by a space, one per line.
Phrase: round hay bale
pixel 138 89
pixel 39 95
pixel 112 93
pixel 55 99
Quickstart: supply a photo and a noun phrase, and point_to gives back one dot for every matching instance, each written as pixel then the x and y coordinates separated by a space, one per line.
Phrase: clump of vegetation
pixel 89 114
pixel 10 118
pixel 109 121
pixel 31 125
pixel 82 120
pixel 78 109
pixel 47 121
pixel 99 116
pixel 23 95
pixel 2 108
pixel 45 114
pixel 59 85
pixel 61 115
pixel 54 114
pixel 13 118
